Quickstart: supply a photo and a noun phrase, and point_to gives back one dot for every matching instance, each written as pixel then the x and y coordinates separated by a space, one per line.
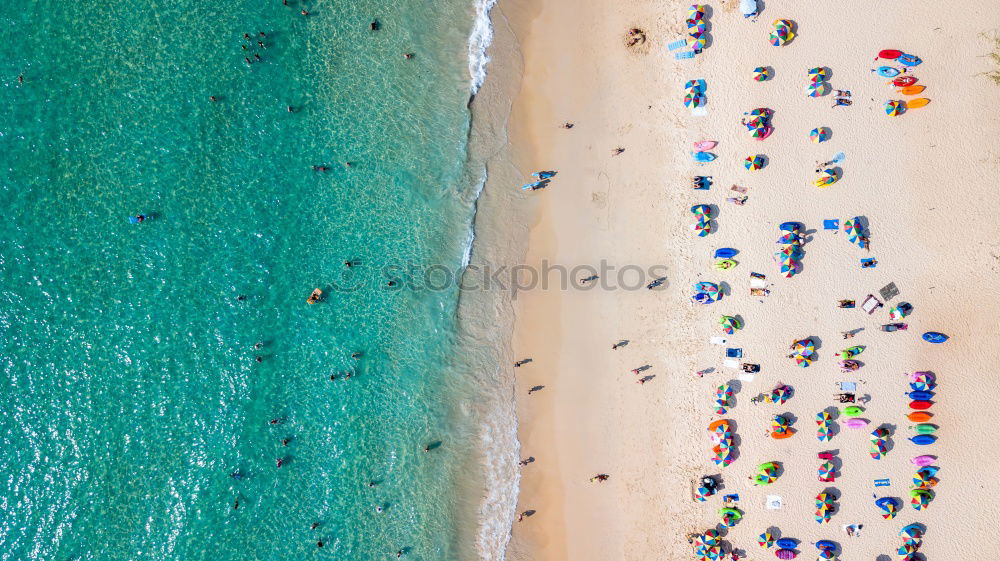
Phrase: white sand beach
pixel 923 183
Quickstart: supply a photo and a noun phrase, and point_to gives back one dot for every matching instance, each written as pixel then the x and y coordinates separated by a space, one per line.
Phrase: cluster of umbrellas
pixel 767 473
pixel 706 292
pixel 825 505
pixel 723 395
pixel 911 535
pixel 856 232
pixel 696 27
pixel 781 427
pixel 879 445
pixel 722 440
pixel 790 254
pixel 825 431
pixel 889 506
pixel 694 93
pixel 703 216
pixel 922 495
pixel 782 32
pixel 761 73
pixel 804 352
pixel 826 178
pixel 730 324
pixel 759 125
pixel 708 546
pixel 818 85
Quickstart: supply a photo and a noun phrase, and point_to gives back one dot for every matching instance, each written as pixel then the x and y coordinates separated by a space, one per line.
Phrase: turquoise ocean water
pixel 130 390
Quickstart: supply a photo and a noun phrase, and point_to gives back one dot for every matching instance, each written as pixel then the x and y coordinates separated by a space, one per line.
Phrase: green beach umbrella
pixel 730 324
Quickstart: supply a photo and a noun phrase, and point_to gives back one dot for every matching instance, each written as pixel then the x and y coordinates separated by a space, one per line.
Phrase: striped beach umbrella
pixel 925 477
pixel 853 229
pixel 696 12
pixel 912 531
pixel 761 73
pixel 826 471
pixel 819 134
pixel 729 324
pixel 817 89
pixel 780 395
pixel 761 112
pixel 702 210
pixel 893 108
pixel 766 540
pixel 696 42
pixel 754 162
pixel 702 228
pixel 697 27
pixel 826 554
pixel 709 288
pixel 817 74
pixel 761 131
pixel 826 177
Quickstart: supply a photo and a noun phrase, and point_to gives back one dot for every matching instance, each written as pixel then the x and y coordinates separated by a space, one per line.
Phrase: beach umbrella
pixel 925 477
pixel 763 112
pixel 826 177
pixel 822 516
pixel 730 324
pixel 702 493
pixel 907 549
pixel 781 35
pixel 696 43
pixel 923 380
pixel 702 210
pixel 711 537
pixel 889 507
pixel 761 73
pixel 817 74
pixel 702 228
pixel 766 474
pixel 893 108
pixel 824 501
pixel 697 27
pixel 696 12
pixel 691 98
pixel 709 288
pixel 854 231
pixel 878 449
pixel 912 531
pixel 754 162
pixel 817 89
pixel 880 433
pixel 730 516
pixel 827 554
pixel 766 540
pixel 819 134
pixel 755 122
pixel 760 131
pixel 826 471
pixel 790 238
pixel 781 394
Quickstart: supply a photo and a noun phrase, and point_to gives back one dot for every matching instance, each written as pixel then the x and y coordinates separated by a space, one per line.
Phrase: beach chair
pixel 888 292
pixel 871 304
pixel 673 46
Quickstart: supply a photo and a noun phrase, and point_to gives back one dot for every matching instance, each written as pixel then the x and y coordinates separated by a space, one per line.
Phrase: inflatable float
pixel 924 429
pixel 889 54
pixel 908 60
pixel 725 253
pixel 923 461
pixel 920 416
pixel 920 395
pixel 703 145
pixel 934 337
pixel 786 543
pixel 887 71
pixel 703 157
pixel 903 81
pixel 920 405
pixel 923 439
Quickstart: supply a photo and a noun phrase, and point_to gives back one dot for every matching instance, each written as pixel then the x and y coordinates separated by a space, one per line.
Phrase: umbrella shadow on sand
pixel 834 415
pixel 889 444
pixel 735 387
pixel 724 289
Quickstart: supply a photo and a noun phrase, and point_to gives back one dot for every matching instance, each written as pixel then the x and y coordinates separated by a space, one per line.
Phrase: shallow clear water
pixel 130 389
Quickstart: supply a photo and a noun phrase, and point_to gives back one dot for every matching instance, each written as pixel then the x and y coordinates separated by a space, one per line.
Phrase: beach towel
pixel 699 112
pixel 889 291
pixel 831 224
pixel 773 502
pixel 848 387
pixel 745 377
pixel 717 340
pixel 731 363
pixel 882 482
pixel 734 353
pixel 673 46
pixel 684 55
pixel 868 263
